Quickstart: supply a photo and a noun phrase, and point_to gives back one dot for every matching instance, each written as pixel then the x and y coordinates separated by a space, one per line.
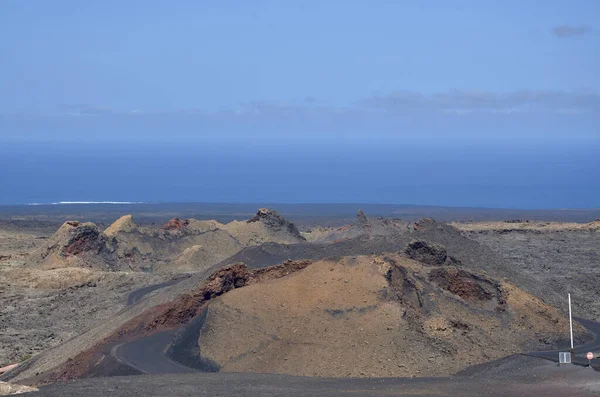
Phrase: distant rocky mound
pixel 361 218
pixel 202 244
pixel 213 247
pixel 181 227
pixel 266 226
pixel 180 245
pixel 374 316
pixel 77 245
pixel 124 224
pixel 275 222
pixel 190 245
pixel 363 225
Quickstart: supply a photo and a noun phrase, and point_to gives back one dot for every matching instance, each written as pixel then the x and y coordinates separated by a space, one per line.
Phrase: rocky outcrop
pixel 77 244
pixel 361 219
pixel 275 222
pixel 83 238
pixel 124 224
pixel 429 254
pixel 362 225
pixel 238 275
pixel 176 224
pixel 402 286
pixel 470 287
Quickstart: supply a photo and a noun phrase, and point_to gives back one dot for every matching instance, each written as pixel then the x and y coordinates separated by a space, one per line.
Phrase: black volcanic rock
pixel 424 252
pixel 275 221
pixel 361 218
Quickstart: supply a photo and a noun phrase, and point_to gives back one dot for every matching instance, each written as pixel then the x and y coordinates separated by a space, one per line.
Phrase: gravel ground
pixel 528 378
pixel 557 261
pixel 34 320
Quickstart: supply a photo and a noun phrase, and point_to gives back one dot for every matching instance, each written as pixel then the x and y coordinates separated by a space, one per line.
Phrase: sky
pixel 447 87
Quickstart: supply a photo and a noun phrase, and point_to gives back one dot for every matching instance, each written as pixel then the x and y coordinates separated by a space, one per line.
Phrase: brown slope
pixel 211 248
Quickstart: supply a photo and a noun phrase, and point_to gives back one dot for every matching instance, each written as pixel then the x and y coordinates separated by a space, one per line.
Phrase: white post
pixel 571 322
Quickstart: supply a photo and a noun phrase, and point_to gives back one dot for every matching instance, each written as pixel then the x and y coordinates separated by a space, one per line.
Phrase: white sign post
pixel 571 324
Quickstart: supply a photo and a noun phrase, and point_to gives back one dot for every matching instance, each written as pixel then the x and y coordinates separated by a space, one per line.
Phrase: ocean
pixel 443 174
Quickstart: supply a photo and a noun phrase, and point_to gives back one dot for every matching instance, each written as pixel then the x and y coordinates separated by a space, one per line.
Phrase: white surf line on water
pixel 88 202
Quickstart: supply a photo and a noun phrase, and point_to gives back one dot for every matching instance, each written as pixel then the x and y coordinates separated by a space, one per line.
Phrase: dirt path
pixel 137 294
pixel 147 355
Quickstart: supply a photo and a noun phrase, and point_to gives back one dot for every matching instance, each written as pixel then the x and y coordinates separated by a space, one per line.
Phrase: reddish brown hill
pixel 374 316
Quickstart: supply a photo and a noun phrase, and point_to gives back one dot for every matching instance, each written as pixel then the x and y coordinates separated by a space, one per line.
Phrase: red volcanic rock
pixel 84 239
pixel 187 306
pixel 176 224
pixel 469 286
pixel 423 223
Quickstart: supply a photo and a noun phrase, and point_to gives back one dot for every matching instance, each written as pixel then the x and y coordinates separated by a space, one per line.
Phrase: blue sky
pixel 213 55
pixel 293 76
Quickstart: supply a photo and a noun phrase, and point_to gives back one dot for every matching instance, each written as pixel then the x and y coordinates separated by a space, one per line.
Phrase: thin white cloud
pixel 567 31
pixel 458 101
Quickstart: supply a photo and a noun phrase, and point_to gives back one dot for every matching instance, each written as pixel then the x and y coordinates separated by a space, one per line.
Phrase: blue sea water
pixel 445 174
